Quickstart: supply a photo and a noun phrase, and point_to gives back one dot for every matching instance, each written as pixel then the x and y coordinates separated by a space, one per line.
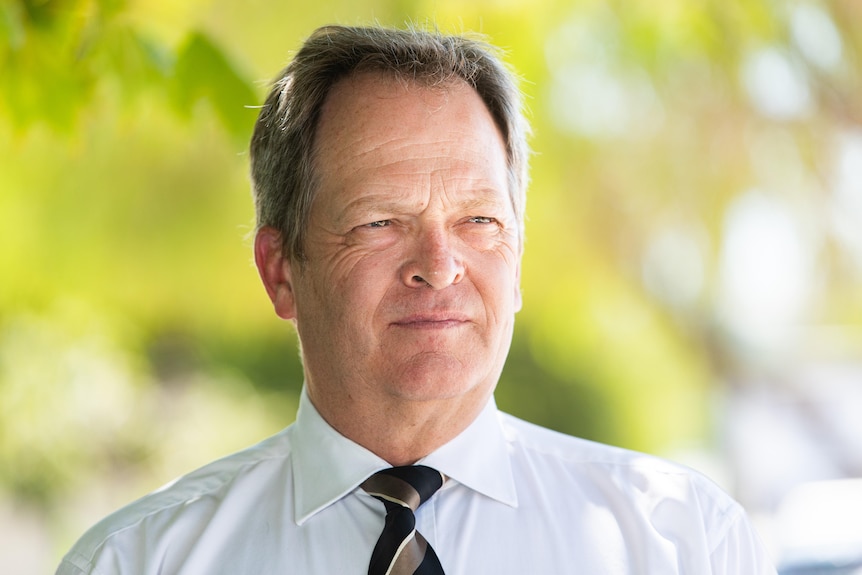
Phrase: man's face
pixel 411 281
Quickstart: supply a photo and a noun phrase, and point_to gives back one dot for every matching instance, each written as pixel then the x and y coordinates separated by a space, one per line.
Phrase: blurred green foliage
pixel 136 342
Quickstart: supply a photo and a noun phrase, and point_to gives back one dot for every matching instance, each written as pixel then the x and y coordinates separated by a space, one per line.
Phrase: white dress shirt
pixel 520 499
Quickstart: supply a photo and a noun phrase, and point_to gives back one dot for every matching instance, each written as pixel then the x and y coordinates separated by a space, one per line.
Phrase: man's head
pixel 402 277
pixel 283 166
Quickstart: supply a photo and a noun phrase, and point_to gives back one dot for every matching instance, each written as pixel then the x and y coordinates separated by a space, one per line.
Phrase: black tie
pixel 401 550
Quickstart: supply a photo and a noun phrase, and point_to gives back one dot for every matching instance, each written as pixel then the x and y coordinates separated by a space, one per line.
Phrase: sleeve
pixel 73 565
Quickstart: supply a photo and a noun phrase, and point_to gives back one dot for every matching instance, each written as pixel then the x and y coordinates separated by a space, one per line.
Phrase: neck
pixel 401 431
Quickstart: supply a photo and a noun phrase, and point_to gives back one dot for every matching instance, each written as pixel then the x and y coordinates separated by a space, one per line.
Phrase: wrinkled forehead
pixel 353 90
pixel 365 106
pixel 393 136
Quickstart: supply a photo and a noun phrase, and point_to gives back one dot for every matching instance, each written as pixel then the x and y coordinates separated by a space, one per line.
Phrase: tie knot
pixel 409 486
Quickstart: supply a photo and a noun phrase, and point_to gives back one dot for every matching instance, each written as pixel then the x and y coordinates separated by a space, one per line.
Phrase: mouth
pixel 432 321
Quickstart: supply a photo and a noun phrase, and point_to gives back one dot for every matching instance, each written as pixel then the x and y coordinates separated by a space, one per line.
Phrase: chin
pixel 436 378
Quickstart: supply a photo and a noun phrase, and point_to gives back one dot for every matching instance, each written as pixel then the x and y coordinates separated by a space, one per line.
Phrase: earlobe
pixel 275 271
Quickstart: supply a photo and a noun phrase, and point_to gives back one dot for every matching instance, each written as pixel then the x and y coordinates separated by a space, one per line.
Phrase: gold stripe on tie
pixel 401 550
pixel 410 556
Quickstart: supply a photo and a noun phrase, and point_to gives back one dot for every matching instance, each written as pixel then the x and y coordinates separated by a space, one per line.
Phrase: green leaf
pixel 12 33
pixel 203 72
pixel 122 54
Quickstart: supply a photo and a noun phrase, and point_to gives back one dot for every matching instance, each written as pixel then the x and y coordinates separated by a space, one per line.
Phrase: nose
pixel 432 262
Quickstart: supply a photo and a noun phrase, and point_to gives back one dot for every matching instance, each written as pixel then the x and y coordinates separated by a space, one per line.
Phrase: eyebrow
pixel 478 199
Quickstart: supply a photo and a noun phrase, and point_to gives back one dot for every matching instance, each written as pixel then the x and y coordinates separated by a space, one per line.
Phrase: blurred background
pixel 692 277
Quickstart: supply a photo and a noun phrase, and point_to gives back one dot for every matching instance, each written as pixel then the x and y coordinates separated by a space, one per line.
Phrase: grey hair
pixel 282 145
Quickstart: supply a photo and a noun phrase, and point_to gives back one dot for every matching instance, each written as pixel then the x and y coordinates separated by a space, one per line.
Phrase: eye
pixel 379 224
pixel 481 220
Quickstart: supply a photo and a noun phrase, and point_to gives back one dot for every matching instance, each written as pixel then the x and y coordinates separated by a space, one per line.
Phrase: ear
pixel 275 271
pixel 519 302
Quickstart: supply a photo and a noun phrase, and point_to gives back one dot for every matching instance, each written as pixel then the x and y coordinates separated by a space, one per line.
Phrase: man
pixel 389 170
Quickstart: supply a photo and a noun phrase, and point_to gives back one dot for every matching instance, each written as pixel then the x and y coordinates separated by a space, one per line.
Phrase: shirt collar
pixel 479 458
pixel 327 465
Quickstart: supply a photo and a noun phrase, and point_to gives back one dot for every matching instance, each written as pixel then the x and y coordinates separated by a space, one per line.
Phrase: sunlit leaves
pixel 11 25
pixel 203 72
pixel 40 79
pixel 62 59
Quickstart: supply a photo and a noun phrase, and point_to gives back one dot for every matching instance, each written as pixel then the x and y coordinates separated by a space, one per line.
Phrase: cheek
pixel 501 264
pixel 496 280
pixel 358 285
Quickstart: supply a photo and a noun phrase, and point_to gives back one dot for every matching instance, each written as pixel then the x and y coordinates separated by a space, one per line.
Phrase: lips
pixel 432 320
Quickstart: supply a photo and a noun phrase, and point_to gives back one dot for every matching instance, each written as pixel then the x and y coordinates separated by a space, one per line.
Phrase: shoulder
pixel 541 442
pixel 185 504
pixel 607 473
pixel 633 499
pixel 552 446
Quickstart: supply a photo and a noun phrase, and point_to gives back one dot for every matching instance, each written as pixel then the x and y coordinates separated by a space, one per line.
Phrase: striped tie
pixel 401 550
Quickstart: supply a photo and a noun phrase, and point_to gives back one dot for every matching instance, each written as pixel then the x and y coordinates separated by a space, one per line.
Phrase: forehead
pixel 372 125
